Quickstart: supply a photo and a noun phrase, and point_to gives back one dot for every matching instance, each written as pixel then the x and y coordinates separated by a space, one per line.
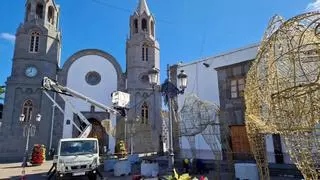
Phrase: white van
pixel 77 157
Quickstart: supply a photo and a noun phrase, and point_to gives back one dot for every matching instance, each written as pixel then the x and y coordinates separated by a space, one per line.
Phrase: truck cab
pixel 77 157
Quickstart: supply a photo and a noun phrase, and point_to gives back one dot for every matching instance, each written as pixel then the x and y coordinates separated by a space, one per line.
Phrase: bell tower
pixel 143 53
pixel 36 54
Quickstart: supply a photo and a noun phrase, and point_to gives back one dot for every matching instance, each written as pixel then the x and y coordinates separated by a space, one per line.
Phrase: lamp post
pixel 29 127
pixel 170 91
pixel 132 131
pixel 153 76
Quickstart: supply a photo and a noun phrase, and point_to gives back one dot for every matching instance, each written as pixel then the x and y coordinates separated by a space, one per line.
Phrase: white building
pixel 207 82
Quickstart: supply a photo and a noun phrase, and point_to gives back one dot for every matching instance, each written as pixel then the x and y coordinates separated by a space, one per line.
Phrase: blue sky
pixel 187 30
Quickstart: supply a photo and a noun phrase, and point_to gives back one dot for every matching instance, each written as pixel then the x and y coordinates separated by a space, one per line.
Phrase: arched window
pixel 39 11
pixel 51 15
pixel 34 42
pixel 92 108
pixel 144 113
pixel 135 26
pixel 144 25
pixel 152 28
pixel 145 53
pixel 27 110
pixel 28 11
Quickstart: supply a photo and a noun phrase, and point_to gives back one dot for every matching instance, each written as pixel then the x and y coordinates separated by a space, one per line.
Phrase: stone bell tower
pixel 36 54
pixel 143 53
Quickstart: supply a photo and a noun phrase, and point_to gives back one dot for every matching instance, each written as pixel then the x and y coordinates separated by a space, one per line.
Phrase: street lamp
pixel 38 118
pixel 153 76
pixel 183 80
pixel 170 91
pixel 29 127
pixel 21 118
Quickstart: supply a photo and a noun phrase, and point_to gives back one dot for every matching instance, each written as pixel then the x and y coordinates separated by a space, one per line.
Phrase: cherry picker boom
pixel 59 167
pixel 120 101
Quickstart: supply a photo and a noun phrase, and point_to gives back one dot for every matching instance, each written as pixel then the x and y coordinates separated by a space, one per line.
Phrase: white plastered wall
pixel 100 92
pixel 203 81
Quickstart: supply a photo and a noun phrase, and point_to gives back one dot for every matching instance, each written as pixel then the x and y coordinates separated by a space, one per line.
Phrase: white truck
pixel 80 156
pixel 77 157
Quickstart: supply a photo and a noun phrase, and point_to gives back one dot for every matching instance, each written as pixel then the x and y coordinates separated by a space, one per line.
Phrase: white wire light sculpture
pixel 282 92
pixel 199 117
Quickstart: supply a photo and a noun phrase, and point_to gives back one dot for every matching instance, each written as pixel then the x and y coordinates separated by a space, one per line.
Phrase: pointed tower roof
pixel 143 7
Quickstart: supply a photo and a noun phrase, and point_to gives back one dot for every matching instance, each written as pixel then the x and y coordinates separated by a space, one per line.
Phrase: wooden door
pixel 98 132
pixel 240 143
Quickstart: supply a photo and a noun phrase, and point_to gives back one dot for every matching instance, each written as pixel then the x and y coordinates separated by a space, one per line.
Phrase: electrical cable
pixel 104 3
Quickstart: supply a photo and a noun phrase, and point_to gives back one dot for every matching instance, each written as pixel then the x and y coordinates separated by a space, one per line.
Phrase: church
pixel 92 72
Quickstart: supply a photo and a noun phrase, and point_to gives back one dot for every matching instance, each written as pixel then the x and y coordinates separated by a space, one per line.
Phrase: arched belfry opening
pixel 39 11
pixel 50 15
pixel 152 28
pixel 135 26
pixel 144 25
pixel 28 10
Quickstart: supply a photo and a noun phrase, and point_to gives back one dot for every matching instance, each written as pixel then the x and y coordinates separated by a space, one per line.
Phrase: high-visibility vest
pixel 186 161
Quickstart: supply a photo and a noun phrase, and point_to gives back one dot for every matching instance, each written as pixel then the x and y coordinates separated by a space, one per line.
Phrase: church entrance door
pixel 99 133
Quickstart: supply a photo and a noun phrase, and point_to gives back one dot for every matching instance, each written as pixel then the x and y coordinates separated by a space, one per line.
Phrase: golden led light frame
pixel 283 92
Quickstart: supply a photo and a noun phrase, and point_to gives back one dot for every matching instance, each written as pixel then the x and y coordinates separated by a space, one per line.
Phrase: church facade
pixel 92 72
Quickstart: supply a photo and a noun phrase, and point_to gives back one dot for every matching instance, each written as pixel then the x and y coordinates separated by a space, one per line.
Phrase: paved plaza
pixel 14 171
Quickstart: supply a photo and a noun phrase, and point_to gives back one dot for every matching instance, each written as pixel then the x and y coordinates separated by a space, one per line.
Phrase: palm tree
pixel 2 91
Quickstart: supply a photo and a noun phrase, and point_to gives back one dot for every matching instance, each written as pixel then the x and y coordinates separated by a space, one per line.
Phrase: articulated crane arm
pixel 52 85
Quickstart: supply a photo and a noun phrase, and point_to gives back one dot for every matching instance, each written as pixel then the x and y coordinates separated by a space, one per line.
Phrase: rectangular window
pixel 278 148
pixel 25 112
pixel 237 88
pixel 32 44
pixel 143 54
pixel 29 115
pixel 234 92
pixel 146 117
pixel 92 108
pixel 147 54
pixel 142 116
pixel 36 47
pixel 241 86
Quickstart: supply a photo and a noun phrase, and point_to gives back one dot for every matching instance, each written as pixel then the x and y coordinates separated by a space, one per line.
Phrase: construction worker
pixel 186 165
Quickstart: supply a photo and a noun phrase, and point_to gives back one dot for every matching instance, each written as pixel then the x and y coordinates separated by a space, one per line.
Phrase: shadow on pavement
pixel 11 167
pixel 15 167
pixel 39 176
